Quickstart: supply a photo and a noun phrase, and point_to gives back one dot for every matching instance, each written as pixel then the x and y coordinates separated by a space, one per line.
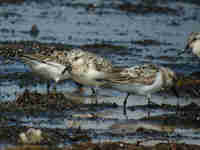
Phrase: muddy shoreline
pixel 56 105
pixel 139 32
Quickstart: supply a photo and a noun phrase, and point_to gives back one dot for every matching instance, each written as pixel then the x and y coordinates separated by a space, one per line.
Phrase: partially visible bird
pixel 193 44
pixel 47 67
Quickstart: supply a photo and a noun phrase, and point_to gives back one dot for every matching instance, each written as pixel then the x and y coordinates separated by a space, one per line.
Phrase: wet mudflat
pixel 128 33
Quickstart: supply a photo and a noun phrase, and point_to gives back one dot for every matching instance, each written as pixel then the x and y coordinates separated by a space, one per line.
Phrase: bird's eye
pixel 196 38
pixel 76 58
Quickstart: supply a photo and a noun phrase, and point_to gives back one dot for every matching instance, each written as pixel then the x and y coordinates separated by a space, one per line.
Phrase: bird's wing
pixel 39 58
pixel 144 74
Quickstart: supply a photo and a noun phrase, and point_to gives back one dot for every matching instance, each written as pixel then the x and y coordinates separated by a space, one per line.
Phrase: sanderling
pixel 193 44
pixel 47 67
pixel 88 68
pixel 142 80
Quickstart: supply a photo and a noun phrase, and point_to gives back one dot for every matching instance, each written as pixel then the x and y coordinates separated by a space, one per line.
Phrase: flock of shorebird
pixel 86 68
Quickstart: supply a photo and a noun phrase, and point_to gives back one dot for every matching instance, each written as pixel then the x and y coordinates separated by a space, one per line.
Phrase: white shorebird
pixel 47 67
pixel 142 80
pixel 88 68
pixel 193 44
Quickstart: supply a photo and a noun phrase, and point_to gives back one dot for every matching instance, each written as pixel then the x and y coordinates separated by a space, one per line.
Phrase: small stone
pixel 34 30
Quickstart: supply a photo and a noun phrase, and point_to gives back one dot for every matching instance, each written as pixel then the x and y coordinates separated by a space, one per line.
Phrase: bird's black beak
pixel 181 52
pixel 68 68
pixel 185 50
pixel 174 87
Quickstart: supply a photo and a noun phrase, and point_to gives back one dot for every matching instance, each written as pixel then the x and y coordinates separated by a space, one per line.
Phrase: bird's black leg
pixel 93 91
pixel 48 87
pixel 177 95
pixel 175 92
pixel 149 100
pixel 55 87
pixel 94 94
pixel 149 104
pixel 80 87
pixel 125 102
